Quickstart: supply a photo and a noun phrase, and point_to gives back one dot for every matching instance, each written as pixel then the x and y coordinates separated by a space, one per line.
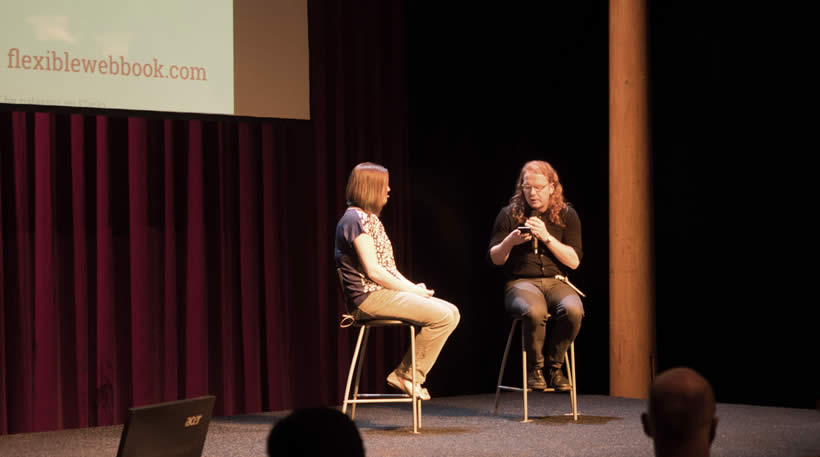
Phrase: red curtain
pixel 146 258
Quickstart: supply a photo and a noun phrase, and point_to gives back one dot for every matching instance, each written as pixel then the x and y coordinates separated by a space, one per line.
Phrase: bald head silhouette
pixel 681 415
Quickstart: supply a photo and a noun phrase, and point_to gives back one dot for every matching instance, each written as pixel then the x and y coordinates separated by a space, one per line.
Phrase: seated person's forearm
pixel 500 253
pixel 404 279
pixel 382 277
pixel 565 254
pixel 498 256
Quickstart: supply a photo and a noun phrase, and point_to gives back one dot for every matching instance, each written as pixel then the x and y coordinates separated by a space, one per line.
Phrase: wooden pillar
pixel 632 316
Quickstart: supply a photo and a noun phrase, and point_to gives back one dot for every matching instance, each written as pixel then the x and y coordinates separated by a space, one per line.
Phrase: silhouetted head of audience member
pixel 681 415
pixel 312 432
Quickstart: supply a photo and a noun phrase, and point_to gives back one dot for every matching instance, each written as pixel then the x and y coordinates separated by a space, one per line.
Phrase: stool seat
pixel 379 322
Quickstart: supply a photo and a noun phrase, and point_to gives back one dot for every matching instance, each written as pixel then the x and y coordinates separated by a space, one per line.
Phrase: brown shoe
pixel 535 379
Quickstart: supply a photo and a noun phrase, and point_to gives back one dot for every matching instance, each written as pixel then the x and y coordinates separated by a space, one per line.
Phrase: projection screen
pixel 230 57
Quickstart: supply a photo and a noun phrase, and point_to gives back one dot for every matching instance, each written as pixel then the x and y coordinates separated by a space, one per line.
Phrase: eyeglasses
pixel 527 188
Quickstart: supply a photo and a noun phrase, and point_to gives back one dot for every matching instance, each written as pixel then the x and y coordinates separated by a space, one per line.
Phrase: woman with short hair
pixel 376 288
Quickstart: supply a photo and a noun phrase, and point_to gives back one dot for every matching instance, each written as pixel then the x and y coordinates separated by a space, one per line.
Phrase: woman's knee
pixel 456 316
pixel 443 314
pixel 451 316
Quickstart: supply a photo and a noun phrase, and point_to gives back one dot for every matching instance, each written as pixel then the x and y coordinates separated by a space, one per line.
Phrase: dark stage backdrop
pixel 491 88
pixel 148 258
pixel 733 276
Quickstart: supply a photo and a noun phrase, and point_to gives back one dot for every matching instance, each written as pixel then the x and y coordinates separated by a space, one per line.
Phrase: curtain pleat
pixel 46 315
pixel 143 344
pixel 250 299
pixel 276 314
pixel 195 326
pixel 19 282
pixel 79 278
pixel 4 412
pixel 170 307
pixel 105 328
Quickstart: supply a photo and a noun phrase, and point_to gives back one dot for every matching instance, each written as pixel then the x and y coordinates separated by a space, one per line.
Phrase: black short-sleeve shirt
pixel 523 262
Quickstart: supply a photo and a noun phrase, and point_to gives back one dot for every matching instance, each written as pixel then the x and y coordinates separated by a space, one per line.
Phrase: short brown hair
pixel 366 185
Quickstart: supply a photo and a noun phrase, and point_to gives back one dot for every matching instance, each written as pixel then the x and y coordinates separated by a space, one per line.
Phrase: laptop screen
pixel 171 429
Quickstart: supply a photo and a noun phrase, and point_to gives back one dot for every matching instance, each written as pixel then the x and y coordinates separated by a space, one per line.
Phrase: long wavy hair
pixel 365 187
pixel 519 206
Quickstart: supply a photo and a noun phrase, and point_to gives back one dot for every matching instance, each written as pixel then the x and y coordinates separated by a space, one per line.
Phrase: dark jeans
pixel 539 299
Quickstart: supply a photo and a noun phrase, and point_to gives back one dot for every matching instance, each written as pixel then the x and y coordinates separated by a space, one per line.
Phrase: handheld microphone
pixel 534 213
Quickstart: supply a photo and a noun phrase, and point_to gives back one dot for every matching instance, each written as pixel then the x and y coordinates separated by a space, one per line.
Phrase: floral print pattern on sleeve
pixel 384 248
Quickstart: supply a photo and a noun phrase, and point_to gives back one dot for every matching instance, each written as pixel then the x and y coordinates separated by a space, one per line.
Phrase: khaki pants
pixel 436 318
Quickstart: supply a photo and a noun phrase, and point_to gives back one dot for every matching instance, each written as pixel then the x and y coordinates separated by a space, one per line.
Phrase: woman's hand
pixel 516 237
pixel 501 251
pixel 564 253
pixel 539 229
pixel 424 291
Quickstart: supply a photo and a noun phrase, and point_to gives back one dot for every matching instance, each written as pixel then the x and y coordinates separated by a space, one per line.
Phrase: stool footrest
pixel 519 389
pixel 382 396
pixel 382 400
pixel 514 389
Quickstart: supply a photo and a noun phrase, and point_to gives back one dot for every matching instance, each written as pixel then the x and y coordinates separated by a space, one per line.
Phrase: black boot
pixel 535 379
pixel 558 381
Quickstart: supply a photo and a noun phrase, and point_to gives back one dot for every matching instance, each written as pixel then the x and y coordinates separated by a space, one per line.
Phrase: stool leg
pixel 418 399
pixel 574 392
pixel 418 413
pixel 571 381
pixel 353 364
pixel 359 366
pixel 524 386
pixel 416 402
pixel 501 370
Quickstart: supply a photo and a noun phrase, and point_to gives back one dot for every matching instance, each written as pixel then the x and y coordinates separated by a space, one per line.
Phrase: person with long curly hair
pixel 536 238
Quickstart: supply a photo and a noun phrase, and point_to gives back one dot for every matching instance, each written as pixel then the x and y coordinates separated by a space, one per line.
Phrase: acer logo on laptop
pixel 193 420
pixel 170 429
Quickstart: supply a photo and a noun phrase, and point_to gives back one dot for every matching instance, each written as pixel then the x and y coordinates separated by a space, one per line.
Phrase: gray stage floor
pixel 464 426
